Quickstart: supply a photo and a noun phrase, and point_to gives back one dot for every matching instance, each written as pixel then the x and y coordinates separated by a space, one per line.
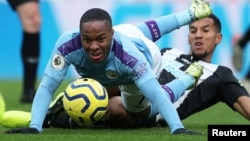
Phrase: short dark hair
pixel 217 22
pixel 96 14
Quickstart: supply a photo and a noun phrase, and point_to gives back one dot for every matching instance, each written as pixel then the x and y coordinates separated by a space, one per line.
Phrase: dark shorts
pixel 15 3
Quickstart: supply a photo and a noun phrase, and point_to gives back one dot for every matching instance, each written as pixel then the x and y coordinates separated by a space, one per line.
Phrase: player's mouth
pixel 96 56
pixel 198 45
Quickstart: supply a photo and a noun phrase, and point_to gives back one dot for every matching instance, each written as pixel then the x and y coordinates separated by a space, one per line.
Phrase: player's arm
pixel 156 28
pixel 154 92
pixel 55 72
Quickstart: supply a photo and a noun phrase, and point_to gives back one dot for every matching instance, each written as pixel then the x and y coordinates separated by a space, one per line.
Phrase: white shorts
pixel 132 98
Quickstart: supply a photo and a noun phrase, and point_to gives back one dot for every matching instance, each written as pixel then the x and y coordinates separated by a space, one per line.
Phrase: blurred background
pixel 61 15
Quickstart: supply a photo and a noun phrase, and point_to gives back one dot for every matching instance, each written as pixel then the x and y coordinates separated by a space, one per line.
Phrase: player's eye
pixel 101 39
pixel 192 31
pixel 86 40
pixel 206 30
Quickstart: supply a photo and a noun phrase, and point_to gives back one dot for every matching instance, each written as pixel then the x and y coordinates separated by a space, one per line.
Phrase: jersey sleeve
pixel 142 73
pixel 231 89
pixel 54 74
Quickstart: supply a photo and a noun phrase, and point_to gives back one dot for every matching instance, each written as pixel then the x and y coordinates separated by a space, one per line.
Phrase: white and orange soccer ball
pixel 86 101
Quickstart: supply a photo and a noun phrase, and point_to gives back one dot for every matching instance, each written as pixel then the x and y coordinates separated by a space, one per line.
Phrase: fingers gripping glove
pixel 28 130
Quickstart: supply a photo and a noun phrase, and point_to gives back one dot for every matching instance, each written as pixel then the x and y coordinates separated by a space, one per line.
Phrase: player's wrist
pixel 191 11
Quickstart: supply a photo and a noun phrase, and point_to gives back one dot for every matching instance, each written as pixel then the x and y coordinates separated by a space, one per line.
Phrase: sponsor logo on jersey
pixel 58 62
pixel 139 70
pixel 111 74
pixel 173 67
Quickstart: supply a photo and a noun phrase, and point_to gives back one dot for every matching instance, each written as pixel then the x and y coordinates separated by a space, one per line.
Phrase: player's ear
pixel 112 33
pixel 218 38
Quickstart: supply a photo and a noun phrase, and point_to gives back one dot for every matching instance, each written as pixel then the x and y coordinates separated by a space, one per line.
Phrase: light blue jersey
pixel 123 65
pixel 133 64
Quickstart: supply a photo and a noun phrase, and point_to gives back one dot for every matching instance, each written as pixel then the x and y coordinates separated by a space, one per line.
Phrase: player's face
pixel 203 37
pixel 96 38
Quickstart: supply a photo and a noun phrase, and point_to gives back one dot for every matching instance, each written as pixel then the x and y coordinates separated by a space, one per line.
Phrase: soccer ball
pixel 2 105
pixel 86 101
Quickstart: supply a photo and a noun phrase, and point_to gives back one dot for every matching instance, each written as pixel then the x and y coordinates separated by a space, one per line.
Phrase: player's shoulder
pixel 171 53
pixel 219 67
pixel 219 70
pixel 225 70
pixel 69 41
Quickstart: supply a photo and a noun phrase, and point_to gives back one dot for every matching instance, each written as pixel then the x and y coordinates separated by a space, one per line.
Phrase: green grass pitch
pixel 218 114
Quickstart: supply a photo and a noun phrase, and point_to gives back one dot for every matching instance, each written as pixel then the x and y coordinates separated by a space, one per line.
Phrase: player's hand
pixel 28 130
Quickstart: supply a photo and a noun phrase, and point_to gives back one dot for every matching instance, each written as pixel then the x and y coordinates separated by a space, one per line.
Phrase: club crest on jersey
pixel 58 62
pixel 111 74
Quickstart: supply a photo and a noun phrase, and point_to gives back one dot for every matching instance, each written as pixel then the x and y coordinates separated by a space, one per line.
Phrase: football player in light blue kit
pixel 123 56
